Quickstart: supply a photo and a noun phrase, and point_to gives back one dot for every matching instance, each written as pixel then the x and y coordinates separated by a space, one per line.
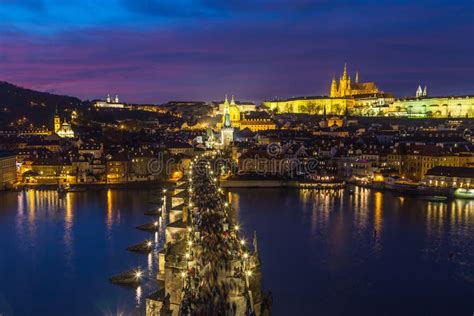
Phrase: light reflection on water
pixel 64 247
pixel 318 250
pixel 350 249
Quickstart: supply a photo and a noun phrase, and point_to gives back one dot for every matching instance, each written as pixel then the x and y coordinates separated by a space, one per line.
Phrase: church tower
pixel 348 88
pixel 227 131
pixel 333 93
pixel 343 83
pixel 56 121
pixel 226 115
pixel 324 121
pixel 419 92
pixel 233 109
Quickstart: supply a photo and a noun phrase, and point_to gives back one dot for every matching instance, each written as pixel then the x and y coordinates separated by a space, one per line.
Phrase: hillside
pixel 37 107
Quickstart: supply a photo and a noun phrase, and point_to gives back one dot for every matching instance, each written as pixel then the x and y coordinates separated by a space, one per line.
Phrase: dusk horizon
pixel 153 52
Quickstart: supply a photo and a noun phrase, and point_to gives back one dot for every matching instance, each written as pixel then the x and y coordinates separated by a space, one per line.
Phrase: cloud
pixel 149 51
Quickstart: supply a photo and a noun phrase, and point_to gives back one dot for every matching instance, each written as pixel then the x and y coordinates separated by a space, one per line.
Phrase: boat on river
pixel 434 198
pixel 63 188
pixel 462 193
pixel 78 189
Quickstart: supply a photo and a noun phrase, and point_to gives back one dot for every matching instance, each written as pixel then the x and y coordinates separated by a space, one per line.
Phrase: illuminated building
pixel 109 103
pixel 65 131
pixel 450 177
pixel 117 168
pixel 376 104
pixel 93 149
pixel 51 171
pixel 57 122
pixel 355 98
pixel 238 119
pixel 311 105
pixel 424 106
pixel 365 99
pixel 7 169
pixel 39 131
pixel 258 124
pixel 227 131
pixel 178 147
pixel 346 88
pixel 81 166
pixel 241 106
pixel 414 162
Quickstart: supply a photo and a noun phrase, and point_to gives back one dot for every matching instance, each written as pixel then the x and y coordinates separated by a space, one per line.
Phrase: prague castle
pixel 366 99
pixel 347 96
pixel 346 88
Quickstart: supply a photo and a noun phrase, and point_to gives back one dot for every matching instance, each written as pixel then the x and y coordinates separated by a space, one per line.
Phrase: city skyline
pixel 153 52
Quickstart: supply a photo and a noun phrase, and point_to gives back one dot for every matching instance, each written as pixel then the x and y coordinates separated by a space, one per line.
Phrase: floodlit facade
pixel 426 107
pixel 7 169
pixel 366 99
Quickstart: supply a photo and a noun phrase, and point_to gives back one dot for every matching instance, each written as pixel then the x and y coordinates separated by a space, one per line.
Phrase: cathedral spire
pixel 226 100
pixel 419 92
pixel 357 77
pixel 255 246
pixel 226 115
pixel 344 75
pixel 333 91
pixel 232 101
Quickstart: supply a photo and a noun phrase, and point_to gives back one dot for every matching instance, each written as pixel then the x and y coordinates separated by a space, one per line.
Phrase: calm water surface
pixel 319 251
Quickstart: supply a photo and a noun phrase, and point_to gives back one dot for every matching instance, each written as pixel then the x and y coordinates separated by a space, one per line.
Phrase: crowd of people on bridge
pixel 217 258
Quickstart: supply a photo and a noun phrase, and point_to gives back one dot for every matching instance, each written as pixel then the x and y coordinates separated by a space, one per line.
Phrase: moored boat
pixel 462 193
pixel 434 198
pixel 62 189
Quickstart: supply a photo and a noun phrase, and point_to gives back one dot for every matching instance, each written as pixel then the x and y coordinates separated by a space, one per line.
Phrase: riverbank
pixel 279 183
pixel 155 184
pixel 416 190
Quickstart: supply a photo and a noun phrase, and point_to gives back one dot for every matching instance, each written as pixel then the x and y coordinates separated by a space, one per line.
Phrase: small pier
pixel 132 277
pixel 150 227
pixel 153 212
pixel 143 247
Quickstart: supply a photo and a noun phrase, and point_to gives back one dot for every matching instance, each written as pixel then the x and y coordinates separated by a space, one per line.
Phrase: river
pixel 366 253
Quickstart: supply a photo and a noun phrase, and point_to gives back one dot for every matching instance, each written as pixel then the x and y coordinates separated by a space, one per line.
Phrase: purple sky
pixel 155 51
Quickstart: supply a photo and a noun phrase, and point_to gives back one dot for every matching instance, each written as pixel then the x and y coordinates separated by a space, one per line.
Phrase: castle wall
pixel 334 106
pixel 461 106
